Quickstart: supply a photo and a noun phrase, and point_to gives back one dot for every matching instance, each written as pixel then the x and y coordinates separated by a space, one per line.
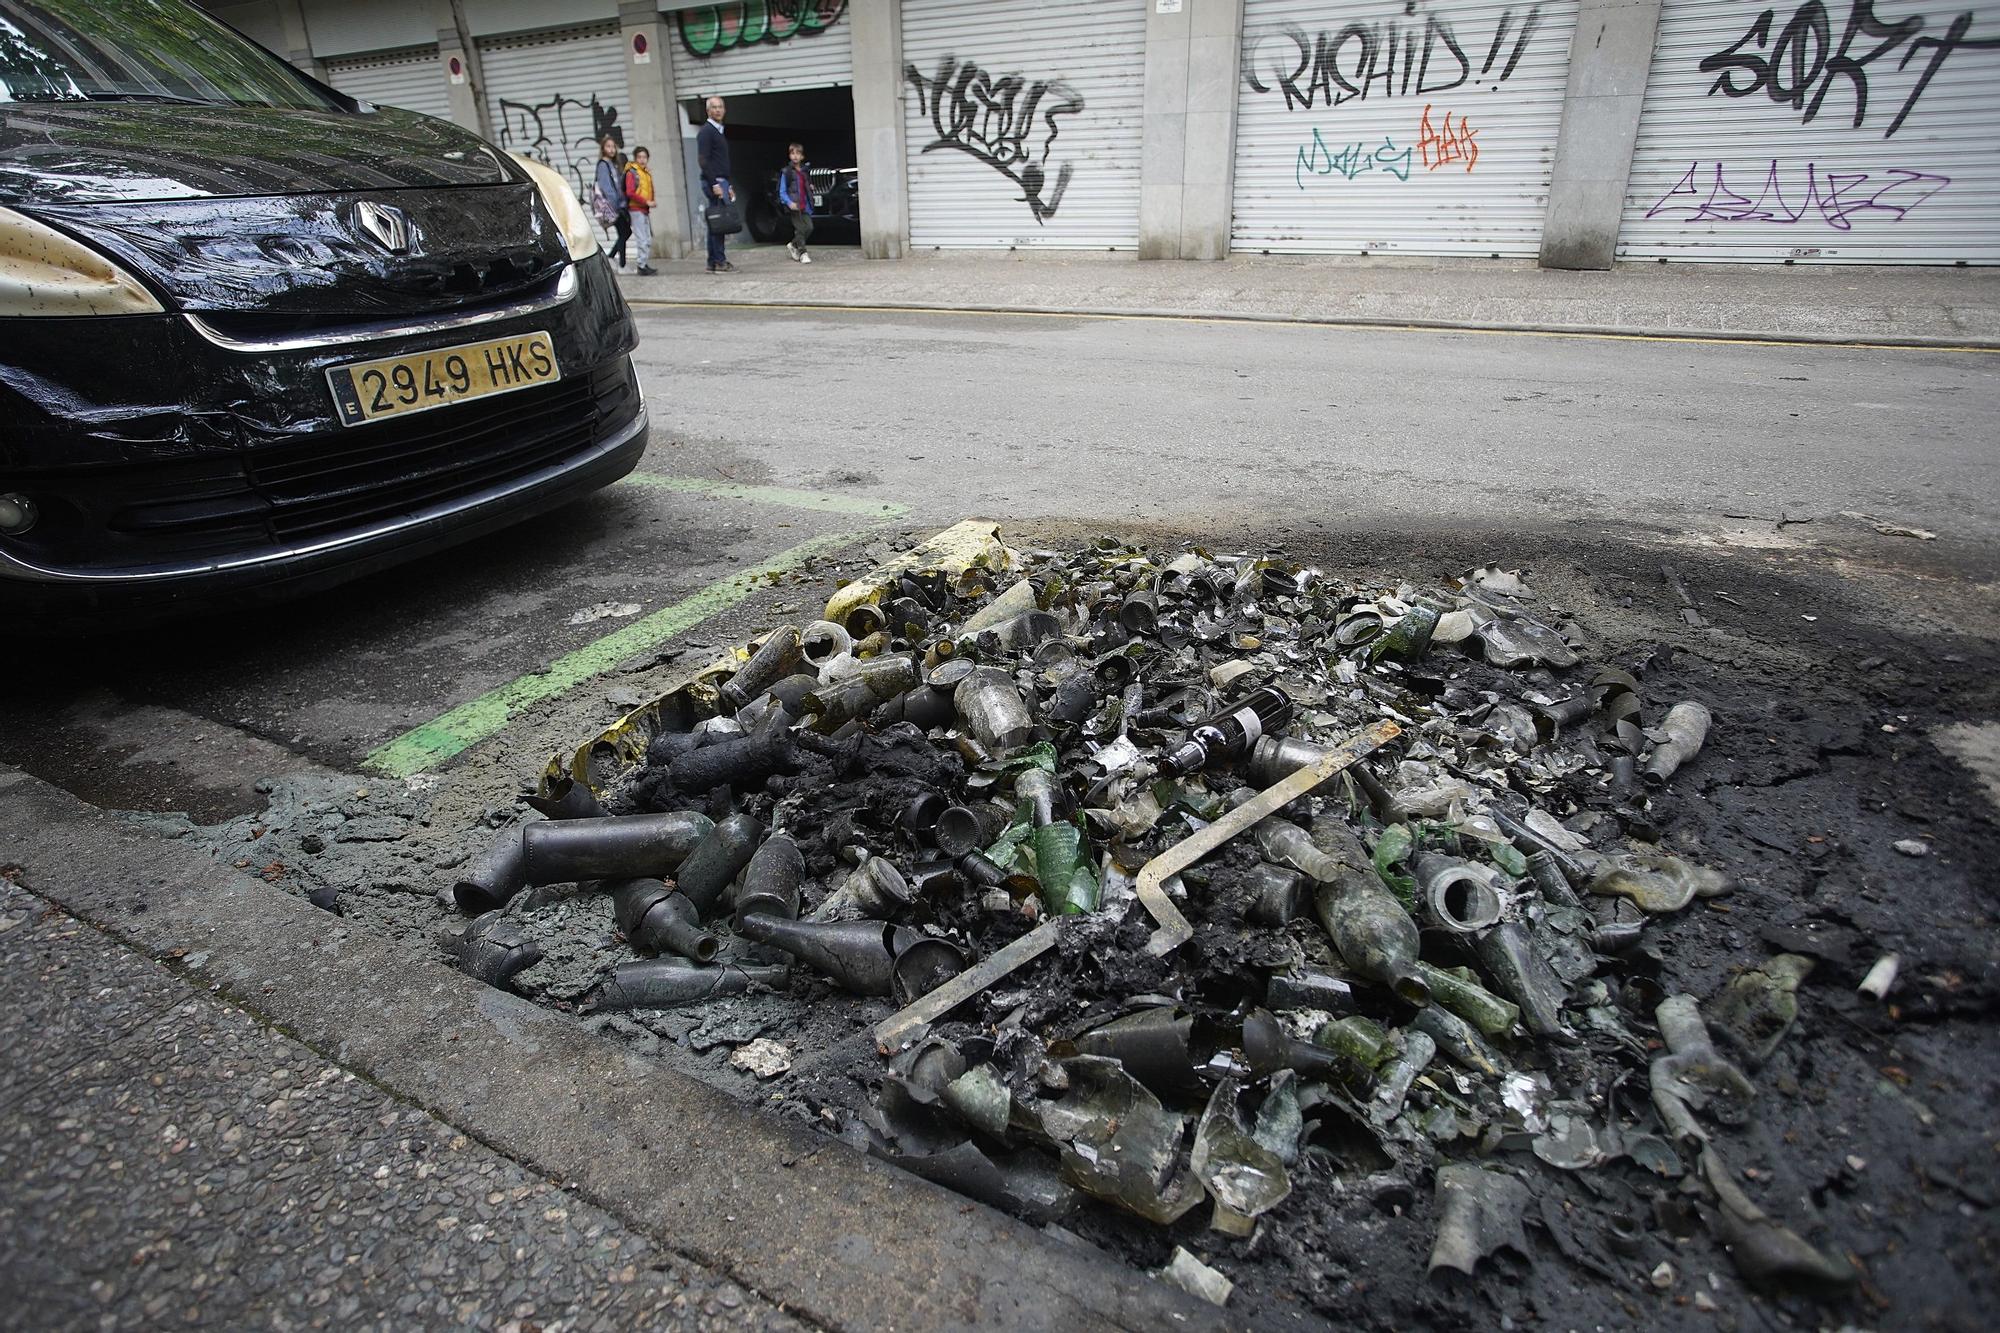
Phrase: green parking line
pixel 768 495
pixel 425 747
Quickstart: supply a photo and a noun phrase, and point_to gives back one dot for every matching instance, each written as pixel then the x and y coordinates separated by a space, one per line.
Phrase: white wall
pixel 258 21
pixel 487 18
pixel 342 27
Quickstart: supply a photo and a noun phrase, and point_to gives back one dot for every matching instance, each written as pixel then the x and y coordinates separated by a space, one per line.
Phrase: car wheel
pixel 766 226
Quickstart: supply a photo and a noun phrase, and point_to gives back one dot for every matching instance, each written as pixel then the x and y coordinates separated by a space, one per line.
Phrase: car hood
pixel 299 254
pixel 131 152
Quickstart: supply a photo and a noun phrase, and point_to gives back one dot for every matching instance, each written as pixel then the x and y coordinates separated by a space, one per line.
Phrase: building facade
pixel 1572 132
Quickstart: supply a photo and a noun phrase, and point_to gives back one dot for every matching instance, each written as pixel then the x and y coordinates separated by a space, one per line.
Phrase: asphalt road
pixel 776 428
pixel 1186 423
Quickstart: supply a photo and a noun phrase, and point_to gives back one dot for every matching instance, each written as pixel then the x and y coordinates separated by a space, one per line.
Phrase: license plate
pixel 397 385
pixel 819 201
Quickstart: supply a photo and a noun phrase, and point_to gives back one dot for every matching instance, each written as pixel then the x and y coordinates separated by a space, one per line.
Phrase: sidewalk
pixel 170 1162
pixel 1944 307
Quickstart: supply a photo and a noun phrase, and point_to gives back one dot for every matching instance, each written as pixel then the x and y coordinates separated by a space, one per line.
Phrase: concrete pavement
pixel 172 1162
pixel 1934 307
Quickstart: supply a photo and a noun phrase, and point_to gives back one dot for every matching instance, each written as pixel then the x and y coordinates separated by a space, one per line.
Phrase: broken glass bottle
pixel 1229 736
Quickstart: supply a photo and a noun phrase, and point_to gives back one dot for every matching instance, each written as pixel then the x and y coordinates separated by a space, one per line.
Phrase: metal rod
pixel 1174 929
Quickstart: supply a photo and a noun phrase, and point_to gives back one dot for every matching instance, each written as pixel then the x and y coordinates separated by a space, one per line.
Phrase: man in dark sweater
pixel 713 151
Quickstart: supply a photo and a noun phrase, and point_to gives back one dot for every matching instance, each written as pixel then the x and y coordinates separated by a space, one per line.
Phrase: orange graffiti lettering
pixel 1452 143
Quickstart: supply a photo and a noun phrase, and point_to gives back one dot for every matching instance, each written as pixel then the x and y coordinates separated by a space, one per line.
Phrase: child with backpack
pixel 795 196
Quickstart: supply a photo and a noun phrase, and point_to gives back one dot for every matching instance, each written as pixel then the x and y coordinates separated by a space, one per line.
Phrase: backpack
pixel 602 203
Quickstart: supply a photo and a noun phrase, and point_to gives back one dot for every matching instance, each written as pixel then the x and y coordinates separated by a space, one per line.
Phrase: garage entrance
pixel 761 127
pixel 788 72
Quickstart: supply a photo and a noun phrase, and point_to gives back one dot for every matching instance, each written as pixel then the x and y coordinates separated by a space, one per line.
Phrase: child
pixel 608 196
pixel 795 194
pixel 639 198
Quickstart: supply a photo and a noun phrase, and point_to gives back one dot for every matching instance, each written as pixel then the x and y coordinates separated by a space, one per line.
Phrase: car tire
pixel 767 226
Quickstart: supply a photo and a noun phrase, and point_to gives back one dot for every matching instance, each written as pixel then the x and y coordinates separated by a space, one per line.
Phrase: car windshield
pixel 138 51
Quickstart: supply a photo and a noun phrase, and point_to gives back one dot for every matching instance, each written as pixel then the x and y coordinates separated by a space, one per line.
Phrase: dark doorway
pixel 761 127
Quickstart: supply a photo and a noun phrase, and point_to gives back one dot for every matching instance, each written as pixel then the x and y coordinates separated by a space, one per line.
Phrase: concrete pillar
pixel 298 39
pixel 878 127
pixel 1608 60
pixel 1188 155
pixel 653 118
pixel 468 86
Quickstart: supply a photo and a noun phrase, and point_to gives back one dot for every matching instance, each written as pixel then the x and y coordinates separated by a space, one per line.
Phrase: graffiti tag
pixel 1383 59
pixel 1837 198
pixel 1354 159
pixel 995 119
pixel 707 29
pixel 1439 146
pixel 1800 66
pixel 562 133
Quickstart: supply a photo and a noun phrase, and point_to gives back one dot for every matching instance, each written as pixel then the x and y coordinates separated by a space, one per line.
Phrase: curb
pixel 1759 337
pixel 801 1219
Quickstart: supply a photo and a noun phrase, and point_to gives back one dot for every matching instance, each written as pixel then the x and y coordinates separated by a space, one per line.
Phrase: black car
pixel 258 336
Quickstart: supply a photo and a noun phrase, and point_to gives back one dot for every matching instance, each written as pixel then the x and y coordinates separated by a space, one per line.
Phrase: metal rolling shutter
pixel 1381 127
pixel 412 79
pixel 554 95
pixel 762 46
pixel 1752 179
pixel 1023 121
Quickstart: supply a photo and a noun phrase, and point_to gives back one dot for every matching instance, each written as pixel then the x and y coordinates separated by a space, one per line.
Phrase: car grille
pixel 291 493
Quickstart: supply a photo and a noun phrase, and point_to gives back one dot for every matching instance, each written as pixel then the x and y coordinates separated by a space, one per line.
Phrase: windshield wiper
pixel 148 97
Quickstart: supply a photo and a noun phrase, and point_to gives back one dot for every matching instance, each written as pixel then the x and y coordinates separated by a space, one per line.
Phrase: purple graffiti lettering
pixel 1838 198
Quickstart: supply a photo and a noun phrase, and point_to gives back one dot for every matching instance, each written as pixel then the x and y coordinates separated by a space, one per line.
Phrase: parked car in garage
pixel 258 337
pixel 836 207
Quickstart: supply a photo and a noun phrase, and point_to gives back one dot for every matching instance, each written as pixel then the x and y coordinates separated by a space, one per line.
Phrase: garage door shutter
pixel 553 95
pixel 1386 127
pixel 1788 131
pixel 762 46
pixel 1023 121
pixel 411 79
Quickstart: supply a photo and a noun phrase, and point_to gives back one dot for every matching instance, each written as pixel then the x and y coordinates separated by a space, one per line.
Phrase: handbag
pixel 724 218
pixel 601 206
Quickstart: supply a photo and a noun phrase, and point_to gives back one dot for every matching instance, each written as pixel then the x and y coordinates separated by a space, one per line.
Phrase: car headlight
pixel 43 272
pixel 563 206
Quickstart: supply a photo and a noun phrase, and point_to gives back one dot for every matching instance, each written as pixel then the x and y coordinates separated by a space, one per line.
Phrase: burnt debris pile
pixel 1198 889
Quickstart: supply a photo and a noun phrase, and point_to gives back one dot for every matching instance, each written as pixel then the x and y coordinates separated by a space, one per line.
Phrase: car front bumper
pixel 178 462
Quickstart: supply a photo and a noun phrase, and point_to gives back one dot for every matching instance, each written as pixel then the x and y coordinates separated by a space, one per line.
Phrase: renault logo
pixel 389 226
